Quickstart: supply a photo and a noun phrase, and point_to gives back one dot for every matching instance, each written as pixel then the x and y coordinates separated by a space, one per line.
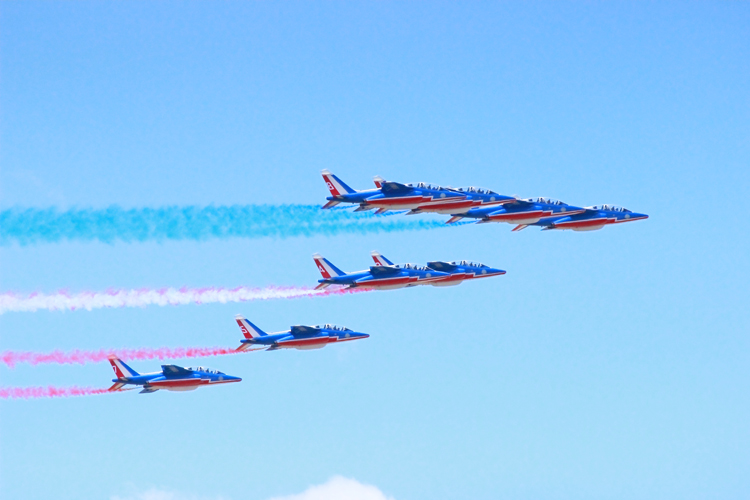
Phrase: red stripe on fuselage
pixel 388 281
pixel 513 216
pixel 599 221
pixel 397 201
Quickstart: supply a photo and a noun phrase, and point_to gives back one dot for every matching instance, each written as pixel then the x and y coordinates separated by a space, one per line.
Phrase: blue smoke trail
pixel 32 226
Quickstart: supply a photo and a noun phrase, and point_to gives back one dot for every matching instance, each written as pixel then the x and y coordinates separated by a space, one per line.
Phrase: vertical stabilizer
pixel 336 186
pixel 249 330
pixel 122 371
pixel 327 270
pixel 380 260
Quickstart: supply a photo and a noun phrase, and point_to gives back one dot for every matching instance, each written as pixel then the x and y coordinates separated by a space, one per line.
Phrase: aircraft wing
pixel 299 331
pixel 445 267
pixel 391 187
pixel 174 371
pixel 518 202
pixel 384 270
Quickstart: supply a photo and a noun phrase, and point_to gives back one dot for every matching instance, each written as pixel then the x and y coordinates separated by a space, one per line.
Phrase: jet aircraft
pixel 171 378
pixel 457 271
pixel 590 219
pixel 522 212
pixel 390 195
pixel 298 337
pixel 387 277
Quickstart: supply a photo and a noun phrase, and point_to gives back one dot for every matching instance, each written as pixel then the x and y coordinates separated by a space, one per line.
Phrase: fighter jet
pixel 389 195
pixel 522 212
pixel 590 219
pixel 457 271
pixel 298 337
pixel 170 378
pixel 388 277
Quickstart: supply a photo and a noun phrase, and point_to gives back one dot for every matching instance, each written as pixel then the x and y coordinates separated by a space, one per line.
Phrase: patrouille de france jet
pixel 170 378
pixel 388 195
pixel 590 219
pixel 388 277
pixel 521 212
pixel 457 271
pixel 298 337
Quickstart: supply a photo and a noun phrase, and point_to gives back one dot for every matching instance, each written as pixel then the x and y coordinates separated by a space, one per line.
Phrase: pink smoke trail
pixel 47 392
pixel 12 358
pixel 65 301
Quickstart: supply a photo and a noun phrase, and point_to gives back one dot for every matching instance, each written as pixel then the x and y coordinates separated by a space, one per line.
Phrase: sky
pixel 604 365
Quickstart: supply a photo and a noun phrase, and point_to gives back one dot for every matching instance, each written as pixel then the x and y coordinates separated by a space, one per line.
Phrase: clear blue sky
pixel 604 365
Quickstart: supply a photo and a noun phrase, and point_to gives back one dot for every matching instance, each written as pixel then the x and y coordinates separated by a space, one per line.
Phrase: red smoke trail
pixel 12 358
pixel 47 392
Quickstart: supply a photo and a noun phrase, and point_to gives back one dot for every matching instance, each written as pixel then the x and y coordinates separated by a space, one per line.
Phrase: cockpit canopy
pixel 466 263
pixel 547 201
pixel 415 267
pixel 329 326
pixel 611 208
pixel 424 185
pixel 475 190
pixel 206 370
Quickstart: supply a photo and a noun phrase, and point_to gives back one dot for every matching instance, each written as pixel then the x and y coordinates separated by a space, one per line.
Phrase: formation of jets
pixel 482 205
pixel 385 275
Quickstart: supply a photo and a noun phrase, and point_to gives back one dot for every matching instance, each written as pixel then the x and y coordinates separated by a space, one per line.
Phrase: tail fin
pixel 335 185
pixel 121 369
pixel 325 267
pixel 380 260
pixel 249 330
pixel 378 181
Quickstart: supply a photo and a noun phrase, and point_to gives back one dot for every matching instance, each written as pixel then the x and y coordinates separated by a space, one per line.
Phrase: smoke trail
pixel 12 358
pixel 47 392
pixel 32 225
pixel 64 301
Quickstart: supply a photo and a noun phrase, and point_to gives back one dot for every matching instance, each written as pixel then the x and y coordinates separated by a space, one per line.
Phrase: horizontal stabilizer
pixel 380 211
pixel 453 219
pixel 330 204
pixel 520 227
pixel 116 387
pixel 322 286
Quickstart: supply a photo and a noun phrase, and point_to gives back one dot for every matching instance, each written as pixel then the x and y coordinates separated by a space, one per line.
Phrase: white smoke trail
pixel 65 301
